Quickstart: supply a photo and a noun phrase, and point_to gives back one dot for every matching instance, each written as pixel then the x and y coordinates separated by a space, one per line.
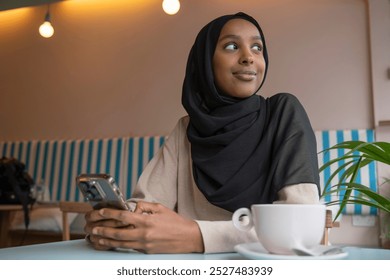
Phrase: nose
pixel 246 57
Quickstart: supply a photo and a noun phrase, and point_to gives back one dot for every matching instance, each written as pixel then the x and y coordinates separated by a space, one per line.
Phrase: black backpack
pixel 16 185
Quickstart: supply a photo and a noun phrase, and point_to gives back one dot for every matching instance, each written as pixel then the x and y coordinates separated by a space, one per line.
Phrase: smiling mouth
pixel 245 75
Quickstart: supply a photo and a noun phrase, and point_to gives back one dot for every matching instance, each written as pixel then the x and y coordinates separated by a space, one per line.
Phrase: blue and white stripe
pixel 139 151
pixel 59 162
pixel 366 176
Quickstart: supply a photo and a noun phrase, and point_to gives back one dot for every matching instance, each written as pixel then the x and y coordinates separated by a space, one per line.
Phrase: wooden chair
pixel 71 207
pixel 328 225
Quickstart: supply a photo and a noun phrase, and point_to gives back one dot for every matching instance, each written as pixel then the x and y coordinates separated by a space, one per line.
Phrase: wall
pixel 115 68
pixel 379 13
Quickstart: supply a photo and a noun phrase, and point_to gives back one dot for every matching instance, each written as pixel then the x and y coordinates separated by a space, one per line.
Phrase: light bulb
pixel 46 29
pixel 171 7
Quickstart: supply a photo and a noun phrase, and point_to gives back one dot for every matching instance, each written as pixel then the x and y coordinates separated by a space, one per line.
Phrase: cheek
pixel 219 73
pixel 261 68
pixel 261 65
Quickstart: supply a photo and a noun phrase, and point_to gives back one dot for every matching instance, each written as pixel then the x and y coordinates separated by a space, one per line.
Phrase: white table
pixel 81 250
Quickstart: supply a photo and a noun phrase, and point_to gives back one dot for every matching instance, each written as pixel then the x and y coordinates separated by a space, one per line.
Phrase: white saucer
pixel 255 251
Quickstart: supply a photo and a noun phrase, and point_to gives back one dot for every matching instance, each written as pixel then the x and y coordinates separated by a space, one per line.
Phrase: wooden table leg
pixel 5 221
pixel 65 227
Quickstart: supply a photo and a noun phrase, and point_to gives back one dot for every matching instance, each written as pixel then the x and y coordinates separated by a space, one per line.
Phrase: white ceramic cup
pixel 281 227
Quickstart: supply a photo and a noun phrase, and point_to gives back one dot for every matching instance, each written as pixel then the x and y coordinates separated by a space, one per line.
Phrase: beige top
pixel 168 180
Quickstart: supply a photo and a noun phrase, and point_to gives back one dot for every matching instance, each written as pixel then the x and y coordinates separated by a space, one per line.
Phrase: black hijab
pixel 243 150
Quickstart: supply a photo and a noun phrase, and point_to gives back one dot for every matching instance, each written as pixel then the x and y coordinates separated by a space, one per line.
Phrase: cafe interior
pixel 109 74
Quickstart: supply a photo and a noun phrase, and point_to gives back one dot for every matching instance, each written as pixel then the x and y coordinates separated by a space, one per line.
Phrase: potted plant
pixel 357 155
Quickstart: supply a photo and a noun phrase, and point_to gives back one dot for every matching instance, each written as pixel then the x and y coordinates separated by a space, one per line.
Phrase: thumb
pixel 144 207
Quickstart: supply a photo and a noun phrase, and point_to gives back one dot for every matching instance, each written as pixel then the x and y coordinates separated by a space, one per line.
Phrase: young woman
pixel 234 149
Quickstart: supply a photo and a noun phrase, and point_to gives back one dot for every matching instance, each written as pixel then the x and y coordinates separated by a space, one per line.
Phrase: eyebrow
pixel 231 36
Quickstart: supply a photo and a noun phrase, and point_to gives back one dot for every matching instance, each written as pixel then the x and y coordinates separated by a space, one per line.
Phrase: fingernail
pixel 95 231
pixel 101 241
pixel 101 212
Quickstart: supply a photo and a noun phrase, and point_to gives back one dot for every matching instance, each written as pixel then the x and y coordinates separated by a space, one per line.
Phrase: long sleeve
pixel 222 236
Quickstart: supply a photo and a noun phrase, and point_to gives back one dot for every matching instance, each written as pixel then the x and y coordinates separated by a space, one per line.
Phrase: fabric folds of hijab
pixel 243 150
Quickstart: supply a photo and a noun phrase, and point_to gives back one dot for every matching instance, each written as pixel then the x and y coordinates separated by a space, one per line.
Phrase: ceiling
pixel 14 4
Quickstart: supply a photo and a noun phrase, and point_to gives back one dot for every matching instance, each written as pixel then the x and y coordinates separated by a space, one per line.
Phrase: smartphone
pixel 101 191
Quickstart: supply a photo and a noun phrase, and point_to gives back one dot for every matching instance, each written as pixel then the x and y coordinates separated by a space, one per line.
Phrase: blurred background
pixel 115 68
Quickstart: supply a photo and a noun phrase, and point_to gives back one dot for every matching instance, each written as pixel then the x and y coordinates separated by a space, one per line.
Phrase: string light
pixel 46 29
pixel 171 7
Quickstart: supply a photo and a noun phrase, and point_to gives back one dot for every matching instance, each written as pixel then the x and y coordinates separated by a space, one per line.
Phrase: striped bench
pixel 366 176
pixel 57 163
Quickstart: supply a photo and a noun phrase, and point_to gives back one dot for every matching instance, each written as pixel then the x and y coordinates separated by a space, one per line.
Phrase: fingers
pixel 104 223
pixel 99 238
pixel 135 245
pixel 131 236
pixel 103 238
pixel 123 216
pixel 111 228
pixel 134 240
pixel 105 218
pixel 93 216
pixel 94 241
pixel 129 233
pixel 148 207
pixel 97 215
pixel 107 214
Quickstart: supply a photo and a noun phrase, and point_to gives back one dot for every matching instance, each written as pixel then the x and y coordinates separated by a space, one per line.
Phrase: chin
pixel 243 95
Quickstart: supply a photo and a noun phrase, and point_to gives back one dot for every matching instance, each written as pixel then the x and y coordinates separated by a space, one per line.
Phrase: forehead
pixel 239 27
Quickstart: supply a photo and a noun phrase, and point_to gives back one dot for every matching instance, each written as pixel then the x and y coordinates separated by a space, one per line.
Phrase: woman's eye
pixel 257 48
pixel 231 46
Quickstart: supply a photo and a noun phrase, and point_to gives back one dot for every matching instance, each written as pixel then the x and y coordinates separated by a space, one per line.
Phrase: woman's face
pixel 238 61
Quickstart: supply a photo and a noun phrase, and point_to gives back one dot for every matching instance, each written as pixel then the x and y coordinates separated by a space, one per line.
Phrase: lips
pixel 245 75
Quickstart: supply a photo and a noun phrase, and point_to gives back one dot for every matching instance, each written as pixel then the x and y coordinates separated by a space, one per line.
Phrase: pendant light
pixel 46 29
pixel 171 7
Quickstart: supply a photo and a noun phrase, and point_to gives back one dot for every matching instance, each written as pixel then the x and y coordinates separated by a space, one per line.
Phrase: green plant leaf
pixel 336 160
pixel 359 201
pixel 357 155
pixel 335 173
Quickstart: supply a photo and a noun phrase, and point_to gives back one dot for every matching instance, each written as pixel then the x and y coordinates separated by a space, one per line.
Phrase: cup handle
pixel 242 219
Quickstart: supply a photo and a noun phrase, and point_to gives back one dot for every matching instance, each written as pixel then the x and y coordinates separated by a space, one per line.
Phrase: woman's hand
pixel 151 228
pixel 95 219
